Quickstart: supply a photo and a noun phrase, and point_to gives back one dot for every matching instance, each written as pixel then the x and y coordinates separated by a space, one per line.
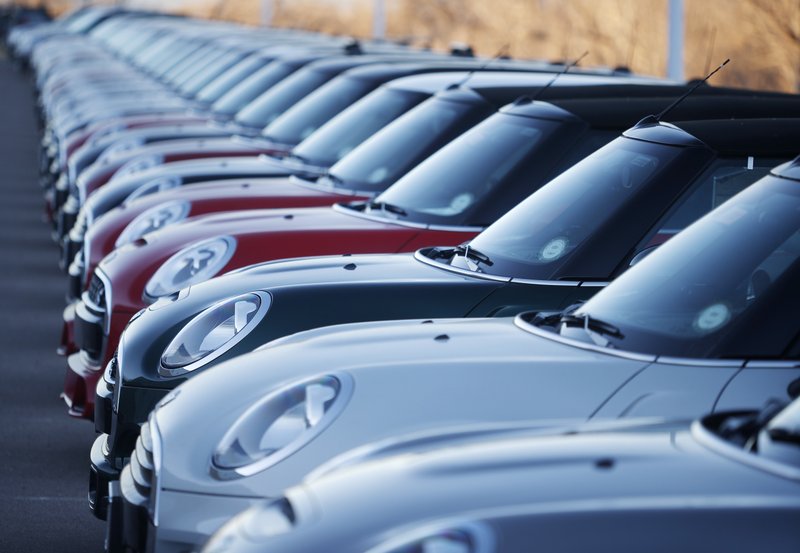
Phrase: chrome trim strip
pixel 573 283
pixel 341 209
pixel 455 228
pixel 594 284
pixel 711 441
pixel 251 140
pixel 421 258
pixel 697 362
pixel 400 222
pixel 155 439
pixel 294 179
pixel 523 325
pixel 772 364
pixel 107 291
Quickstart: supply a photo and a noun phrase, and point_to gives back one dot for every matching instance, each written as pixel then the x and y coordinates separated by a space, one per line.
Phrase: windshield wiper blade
pixel 743 430
pixel 389 208
pixel 471 253
pixel 595 328
pixel 294 157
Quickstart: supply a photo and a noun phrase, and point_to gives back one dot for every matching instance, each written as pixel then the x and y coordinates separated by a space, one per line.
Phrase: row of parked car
pixel 328 295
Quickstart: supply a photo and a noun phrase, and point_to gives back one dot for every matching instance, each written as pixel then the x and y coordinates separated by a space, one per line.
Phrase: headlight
pixel 213 332
pixel 152 187
pixel 153 219
pixel 191 265
pixel 458 538
pixel 260 522
pixel 138 164
pixel 279 425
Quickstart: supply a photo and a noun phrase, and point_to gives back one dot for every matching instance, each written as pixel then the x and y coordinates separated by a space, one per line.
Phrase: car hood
pixel 118 189
pixel 262 221
pixel 399 285
pixel 606 468
pixel 214 196
pixel 261 235
pixel 406 377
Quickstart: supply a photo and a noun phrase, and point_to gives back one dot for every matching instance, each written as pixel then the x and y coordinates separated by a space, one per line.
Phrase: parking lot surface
pixel 43 453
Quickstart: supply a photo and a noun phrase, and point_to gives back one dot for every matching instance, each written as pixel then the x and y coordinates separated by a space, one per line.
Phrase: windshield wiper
pixel 471 253
pixel 595 328
pixel 336 182
pixel 743 430
pixel 388 208
pixel 294 157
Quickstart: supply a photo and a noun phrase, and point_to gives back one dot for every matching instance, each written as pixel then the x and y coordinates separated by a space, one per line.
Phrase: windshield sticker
pixel 712 317
pixel 378 175
pixel 461 202
pixel 729 216
pixel 553 249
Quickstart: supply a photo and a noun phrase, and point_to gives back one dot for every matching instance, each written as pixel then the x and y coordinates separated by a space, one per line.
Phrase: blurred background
pixel 762 37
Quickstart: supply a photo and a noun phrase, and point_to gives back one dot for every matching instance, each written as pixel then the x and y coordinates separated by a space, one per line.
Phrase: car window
pixel 720 182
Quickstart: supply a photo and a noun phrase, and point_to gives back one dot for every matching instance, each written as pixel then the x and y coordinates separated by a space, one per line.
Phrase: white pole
pixel 379 19
pixel 675 47
pixel 266 13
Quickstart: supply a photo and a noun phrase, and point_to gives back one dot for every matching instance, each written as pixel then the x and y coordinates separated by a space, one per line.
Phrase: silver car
pixel 727 482
pixel 706 323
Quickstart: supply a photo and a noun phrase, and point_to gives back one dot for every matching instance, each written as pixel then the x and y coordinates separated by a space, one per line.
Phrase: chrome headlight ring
pixel 213 332
pixel 280 424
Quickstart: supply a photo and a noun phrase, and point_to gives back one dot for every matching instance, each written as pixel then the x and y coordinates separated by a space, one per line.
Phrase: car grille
pixel 141 463
pixel 97 292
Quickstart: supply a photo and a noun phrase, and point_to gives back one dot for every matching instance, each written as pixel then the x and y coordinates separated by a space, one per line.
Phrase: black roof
pixel 768 137
pixel 615 113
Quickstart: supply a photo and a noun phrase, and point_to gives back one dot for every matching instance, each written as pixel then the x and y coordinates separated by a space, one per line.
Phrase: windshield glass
pixel 267 107
pixel 236 74
pixel 340 135
pixel 249 89
pixel 316 109
pixel 392 152
pixel 481 174
pixel 539 235
pixel 210 73
pixel 679 302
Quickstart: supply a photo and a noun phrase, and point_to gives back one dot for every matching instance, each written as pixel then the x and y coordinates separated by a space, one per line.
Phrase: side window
pixel 721 181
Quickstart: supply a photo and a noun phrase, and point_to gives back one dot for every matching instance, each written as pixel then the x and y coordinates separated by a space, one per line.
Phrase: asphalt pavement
pixel 44 454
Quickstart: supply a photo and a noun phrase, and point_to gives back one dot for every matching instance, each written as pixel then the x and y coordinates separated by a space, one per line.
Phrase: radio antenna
pixel 500 53
pixel 557 75
pixel 686 94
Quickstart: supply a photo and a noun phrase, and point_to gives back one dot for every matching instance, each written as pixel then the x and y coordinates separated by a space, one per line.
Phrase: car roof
pixel 772 137
pixel 487 82
pixel 616 112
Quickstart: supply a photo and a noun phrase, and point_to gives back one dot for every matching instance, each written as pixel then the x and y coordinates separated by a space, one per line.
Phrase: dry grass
pixel 762 37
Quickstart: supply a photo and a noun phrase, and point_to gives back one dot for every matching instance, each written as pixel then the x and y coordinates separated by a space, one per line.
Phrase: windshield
pixel 316 109
pixel 249 89
pixel 689 298
pixel 267 107
pixel 211 73
pixel 538 236
pixel 340 135
pixel 483 173
pixel 236 74
pixel 392 152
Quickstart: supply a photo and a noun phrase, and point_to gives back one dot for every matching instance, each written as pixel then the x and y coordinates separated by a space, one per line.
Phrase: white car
pixel 602 487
